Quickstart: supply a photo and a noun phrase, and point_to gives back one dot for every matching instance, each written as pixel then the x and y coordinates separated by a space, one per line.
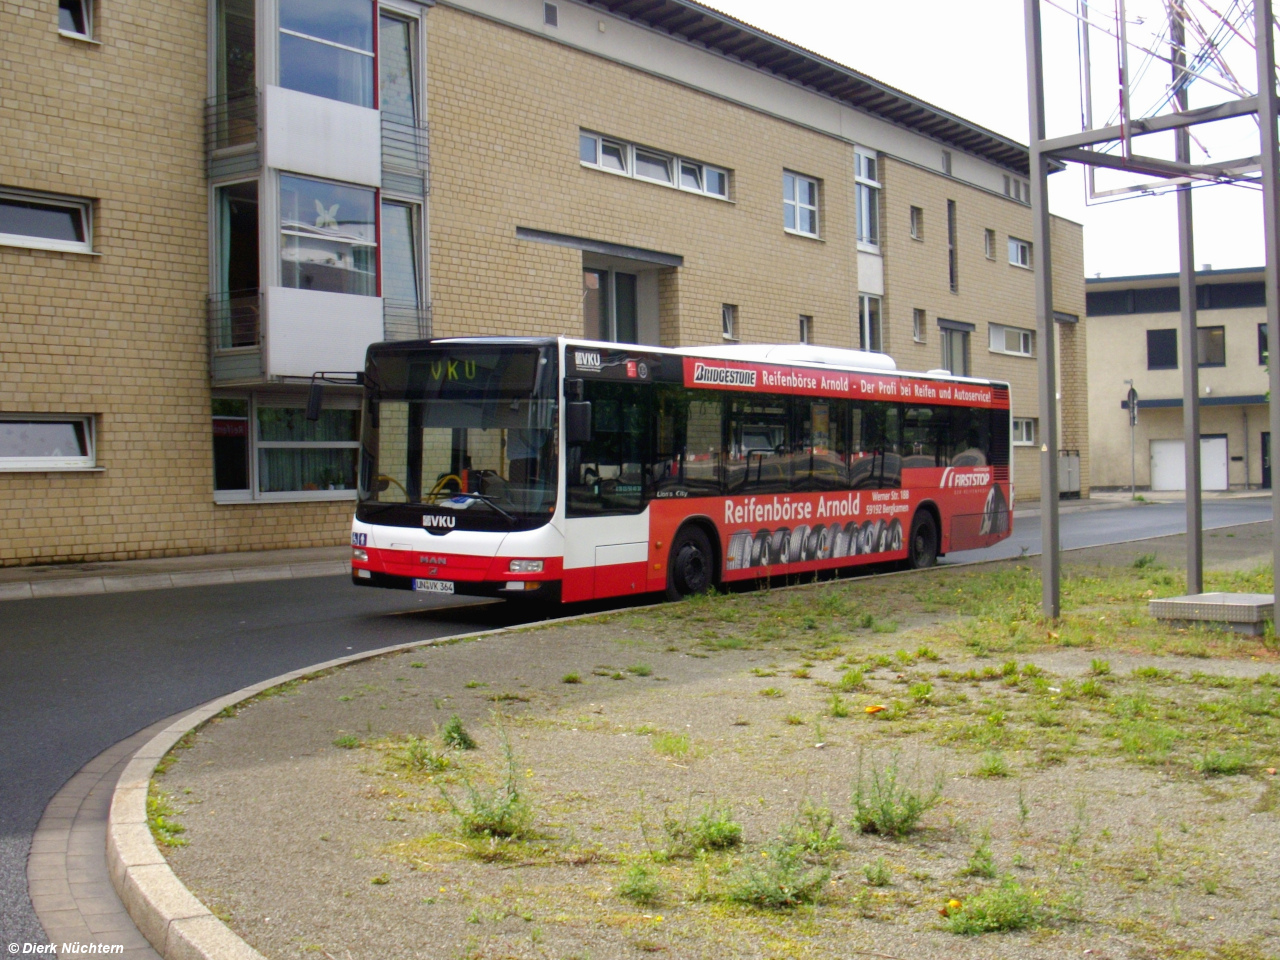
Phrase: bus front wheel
pixel 923 544
pixel 691 565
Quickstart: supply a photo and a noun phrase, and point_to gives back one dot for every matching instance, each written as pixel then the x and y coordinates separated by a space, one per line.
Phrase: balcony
pixel 405 321
pixel 232 134
pixel 235 337
pixel 404 156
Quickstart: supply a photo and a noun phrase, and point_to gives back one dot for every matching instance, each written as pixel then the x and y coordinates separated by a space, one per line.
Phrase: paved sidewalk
pixel 123 576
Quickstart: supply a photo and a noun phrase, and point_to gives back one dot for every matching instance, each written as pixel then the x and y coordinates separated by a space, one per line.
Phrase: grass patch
pixel 162 819
pixel 712 828
pixel 640 885
pixel 770 692
pixel 851 680
pixel 347 742
pixel 981 862
pixel 1010 906
pixel 671 744
pixel 571 678
pixel 640 670
pixel 454 735
pixel 1224 763
pixel 877 873
pixel 776 878
pixel 992 764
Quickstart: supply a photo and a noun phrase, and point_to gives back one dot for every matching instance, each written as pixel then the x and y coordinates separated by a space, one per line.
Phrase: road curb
pixel 132 583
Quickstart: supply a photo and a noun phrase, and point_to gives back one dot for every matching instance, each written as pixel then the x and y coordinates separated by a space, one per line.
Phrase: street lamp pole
pixel 1133 426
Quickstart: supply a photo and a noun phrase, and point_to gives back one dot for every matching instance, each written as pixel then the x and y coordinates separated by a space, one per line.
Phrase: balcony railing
pixel 405 321
pixel 231 121
pixel 235 336
pixel 404 153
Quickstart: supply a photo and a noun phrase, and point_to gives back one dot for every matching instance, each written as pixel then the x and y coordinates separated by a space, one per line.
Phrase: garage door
pixel 1169 470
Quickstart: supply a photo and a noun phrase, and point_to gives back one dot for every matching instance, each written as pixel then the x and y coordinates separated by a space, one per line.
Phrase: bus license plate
pixel 434 586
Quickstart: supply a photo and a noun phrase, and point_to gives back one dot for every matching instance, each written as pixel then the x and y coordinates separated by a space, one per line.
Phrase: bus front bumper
pixel 541 590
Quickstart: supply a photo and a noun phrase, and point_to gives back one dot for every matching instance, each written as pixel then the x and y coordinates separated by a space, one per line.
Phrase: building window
pixel 1016 189
pixel 1162 349
pixel 1020 253
pixel 265 448
pixel 800 204
pixel 806 329
pixel 917 325
pixel 551 15
pixel 953 255
pixel 40 222
pixel 1012 340
pixel 917 223
pixel 946 162
pixel 1262 344
pixel 397 67
pixel 36 442
pixel 1024 431
pixel 75 18
pixel 1211 346
pixel 654 166
pixel 328 237
pixel 870 329
pixel 989 243
pixel 867 176
pixel 326 49
pixel 729 321
pixel 955 351
pixel 401 254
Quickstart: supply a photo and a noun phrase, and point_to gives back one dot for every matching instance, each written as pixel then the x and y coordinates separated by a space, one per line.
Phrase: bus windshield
pixel 468 431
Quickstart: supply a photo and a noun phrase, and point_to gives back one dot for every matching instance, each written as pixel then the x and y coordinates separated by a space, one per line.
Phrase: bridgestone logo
pixel 723 376
pixel 433 520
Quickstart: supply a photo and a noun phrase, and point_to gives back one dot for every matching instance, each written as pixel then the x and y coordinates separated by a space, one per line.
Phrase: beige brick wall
pixel 121 334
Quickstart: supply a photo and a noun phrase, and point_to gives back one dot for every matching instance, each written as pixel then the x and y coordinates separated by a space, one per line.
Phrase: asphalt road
pixel 1117 523
pixel 78 674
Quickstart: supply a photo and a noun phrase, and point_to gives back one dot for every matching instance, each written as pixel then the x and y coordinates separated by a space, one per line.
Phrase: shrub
pixel 640 885
pixel 877 873
pixel 712 829
pixel 500 813
pixel 777 878
pixel 455 735
pixel 884 802
pixel 813 830
pixel 1009 906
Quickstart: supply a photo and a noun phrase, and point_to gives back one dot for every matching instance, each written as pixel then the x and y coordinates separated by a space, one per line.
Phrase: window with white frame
pixel 44 222
pixel 1020 253
pixel 729 321
pixel 806 329
pixel 35 442
pixel 799 204
pixel 1016 189
pixel 265 448
pixel 867 176
pixel 328 236
pixel 1014 341
pixel 326 49
pixel 946 162
pixel 918 325
pixel 654 166
pixel 1024 431
pixel 917 223
pixel 870 328
pixel 75 18
pixel 955 351
pixel 989 243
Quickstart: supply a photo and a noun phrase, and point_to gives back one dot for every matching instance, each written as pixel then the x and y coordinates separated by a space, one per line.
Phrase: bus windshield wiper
pixel 490 500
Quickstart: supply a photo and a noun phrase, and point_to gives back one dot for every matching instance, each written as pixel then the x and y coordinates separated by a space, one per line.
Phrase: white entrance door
pixel 1169 469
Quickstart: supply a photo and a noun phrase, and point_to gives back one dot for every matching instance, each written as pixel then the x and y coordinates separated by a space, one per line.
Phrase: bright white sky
pixel 969 58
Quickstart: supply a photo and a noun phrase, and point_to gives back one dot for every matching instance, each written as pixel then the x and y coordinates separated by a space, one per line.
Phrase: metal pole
pixel 1270 156
pixel 1187 294
pixel 1046 362
pixel 1133 455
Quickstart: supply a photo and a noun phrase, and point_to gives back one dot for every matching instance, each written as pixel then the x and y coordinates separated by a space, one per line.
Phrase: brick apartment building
pixel 202 202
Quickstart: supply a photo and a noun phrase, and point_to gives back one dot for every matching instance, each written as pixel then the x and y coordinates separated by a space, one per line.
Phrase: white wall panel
pixel 306 330
pixel 325 138
pixel 871 273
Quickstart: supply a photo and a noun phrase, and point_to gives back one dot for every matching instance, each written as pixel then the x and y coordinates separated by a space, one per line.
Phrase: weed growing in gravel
pixel 640 884
pixel 793 720
pixel 877 873
pixel 1099 668
pixel 1223 763
pixel 420 756
pixel 813 830
pixel 852 680
pixel 770 692
pixel 347 742
pixel 671 744
pixel 981 862
pixel 713 828
pixel 1010 906
pixel 503 812
pixel 571 678
pixel 640 670
pixel 161 814
pixel 838 706
pixel 455 735
pixel 777 877
pixel 887 802
pixel 993 764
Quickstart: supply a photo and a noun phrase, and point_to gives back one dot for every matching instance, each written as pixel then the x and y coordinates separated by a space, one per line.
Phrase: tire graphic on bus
pixel 995 513
pixel 737 555
pixel 893 538
pixel 784 545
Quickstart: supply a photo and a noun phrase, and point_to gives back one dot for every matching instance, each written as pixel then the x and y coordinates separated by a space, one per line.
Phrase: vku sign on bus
pixel 436 520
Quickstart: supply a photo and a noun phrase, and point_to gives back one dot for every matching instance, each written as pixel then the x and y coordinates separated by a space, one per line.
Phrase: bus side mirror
pixel 577 422
pixel 574 388
pixel 315 398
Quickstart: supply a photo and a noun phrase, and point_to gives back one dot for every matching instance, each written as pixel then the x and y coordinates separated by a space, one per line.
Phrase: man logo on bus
pixel 979 477
pixel 587 359
pixel 434 520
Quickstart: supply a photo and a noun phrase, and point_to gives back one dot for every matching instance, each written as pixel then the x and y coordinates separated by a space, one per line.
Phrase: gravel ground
pixel 308 848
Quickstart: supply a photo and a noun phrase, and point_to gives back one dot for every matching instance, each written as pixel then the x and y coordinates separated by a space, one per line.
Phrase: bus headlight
pixel 524 566
pixel 358 554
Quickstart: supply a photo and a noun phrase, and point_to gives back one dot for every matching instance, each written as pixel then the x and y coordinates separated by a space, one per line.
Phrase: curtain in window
pixel 395 62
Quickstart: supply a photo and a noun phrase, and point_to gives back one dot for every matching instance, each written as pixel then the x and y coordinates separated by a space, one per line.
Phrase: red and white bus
pixel 574 470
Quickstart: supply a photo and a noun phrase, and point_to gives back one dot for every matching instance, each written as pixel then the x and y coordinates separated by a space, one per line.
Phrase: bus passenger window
pixel 760 449
pixel 821 445
pixel 686 456
pixel 606 475
pixel 926 436
pixel 874 436
pixel 970 437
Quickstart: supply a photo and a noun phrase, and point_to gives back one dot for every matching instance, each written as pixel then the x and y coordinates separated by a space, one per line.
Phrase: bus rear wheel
pixel 922 547
pixel 690 565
